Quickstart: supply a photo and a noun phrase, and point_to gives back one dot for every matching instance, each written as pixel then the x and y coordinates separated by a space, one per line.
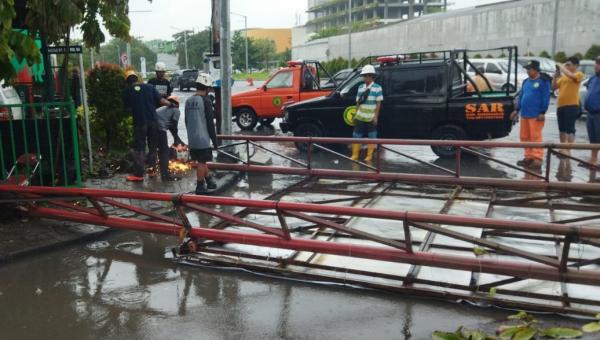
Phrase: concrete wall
pixel 525 23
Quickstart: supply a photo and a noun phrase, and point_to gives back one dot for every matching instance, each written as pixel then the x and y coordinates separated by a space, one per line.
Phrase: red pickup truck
pixel 295 83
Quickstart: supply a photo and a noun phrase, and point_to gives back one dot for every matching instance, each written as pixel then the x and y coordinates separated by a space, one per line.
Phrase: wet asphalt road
pixel 123 287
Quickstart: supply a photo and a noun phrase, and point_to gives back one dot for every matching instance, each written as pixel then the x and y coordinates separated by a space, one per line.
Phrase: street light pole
pixel 245 36
pixel 225 50
pixel 349 33
pixel 555 28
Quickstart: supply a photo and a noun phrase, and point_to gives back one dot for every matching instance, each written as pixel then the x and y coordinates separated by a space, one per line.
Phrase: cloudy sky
pixel 166 17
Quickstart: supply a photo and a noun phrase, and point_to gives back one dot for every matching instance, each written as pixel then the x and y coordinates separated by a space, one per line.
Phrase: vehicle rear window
pixel 411 82
pixel 281 80
pixel 493 68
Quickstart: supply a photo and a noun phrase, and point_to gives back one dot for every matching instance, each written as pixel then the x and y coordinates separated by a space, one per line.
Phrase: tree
pixel 545 54
pixel 263 53
pixel 106 82
pixel 109 53
pixel 197 45
pixel 53 21
pixel 561 57
pixel 238 51
pixel 593 52
pixel 284 57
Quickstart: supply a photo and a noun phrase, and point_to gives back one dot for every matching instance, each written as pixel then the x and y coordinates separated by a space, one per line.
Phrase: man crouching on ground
pixel 201 131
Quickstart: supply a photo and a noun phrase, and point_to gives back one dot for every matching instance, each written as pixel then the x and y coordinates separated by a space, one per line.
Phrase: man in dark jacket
pixel 142 100
pixel 592 105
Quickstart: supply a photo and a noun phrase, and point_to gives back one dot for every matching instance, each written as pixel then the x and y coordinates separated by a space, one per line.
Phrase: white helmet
pixel 160 67
pixel 205 79
pixel 368 69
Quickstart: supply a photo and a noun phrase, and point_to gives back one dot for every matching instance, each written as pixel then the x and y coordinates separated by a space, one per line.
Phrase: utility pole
pixel 225 50
pixel 128 46
pixel 555 28
pixel 187 63
pixel 349 33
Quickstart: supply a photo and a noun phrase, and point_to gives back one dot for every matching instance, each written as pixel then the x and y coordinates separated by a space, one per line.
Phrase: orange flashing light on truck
pixel 299 81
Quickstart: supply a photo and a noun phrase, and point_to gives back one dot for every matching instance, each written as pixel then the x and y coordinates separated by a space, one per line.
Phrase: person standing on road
pixel 592 106
pixel 201 131
pixel 368 105
pixel 567 81
pixel 532 105
pixel 160 83
pixel 142 100
pixel 167 118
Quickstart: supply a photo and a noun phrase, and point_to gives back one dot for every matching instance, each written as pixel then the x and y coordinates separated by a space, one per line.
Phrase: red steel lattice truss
pixel 323 228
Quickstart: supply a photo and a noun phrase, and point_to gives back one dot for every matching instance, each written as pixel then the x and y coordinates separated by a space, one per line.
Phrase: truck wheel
pixel 246 119
pixel 447 132
pixel 511 87
pixel 307 130
pixel 266 121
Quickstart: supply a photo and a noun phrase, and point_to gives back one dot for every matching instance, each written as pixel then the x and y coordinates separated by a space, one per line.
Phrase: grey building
pixel 323 14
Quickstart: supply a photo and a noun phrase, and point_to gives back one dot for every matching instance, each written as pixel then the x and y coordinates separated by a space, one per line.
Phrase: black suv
pixel 425 97
pixel 188 79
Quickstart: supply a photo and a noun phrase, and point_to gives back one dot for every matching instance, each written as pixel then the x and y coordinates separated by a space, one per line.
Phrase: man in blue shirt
pixel 592 105
pixel 142 100
pixel 532 105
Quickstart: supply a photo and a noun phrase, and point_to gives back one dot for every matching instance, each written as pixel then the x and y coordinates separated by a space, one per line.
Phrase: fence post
pixel 75 138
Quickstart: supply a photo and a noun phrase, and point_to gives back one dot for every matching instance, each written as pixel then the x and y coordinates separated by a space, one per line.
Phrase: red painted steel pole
pixel 509 225
pixel 522 270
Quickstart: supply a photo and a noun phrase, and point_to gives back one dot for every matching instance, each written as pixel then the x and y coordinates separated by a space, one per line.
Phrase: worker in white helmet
pixel 160 83
pixel 199 115
pixel 368 105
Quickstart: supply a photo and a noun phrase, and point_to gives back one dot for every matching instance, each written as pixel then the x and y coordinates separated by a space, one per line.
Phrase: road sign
pixel 124 59
pixel 78 49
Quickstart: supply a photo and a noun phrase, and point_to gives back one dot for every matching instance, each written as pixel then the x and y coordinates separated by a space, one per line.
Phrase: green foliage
pixel 545 54
pixel 54 20
pixel 578 55
pixel 13 44
pixel 592 327
pixel 561 333
pixel 197 45
pixel 489 56
pixel 529 54
pixel 523 327
pixel 110 122
pixel 561 57
pixel 109 53
pixel 477 56
pixel 328 32
pixel 264 53
pixel 593 52
pixel 480 251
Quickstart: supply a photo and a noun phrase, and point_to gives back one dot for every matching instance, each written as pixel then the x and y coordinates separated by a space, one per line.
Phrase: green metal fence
pixel 46 130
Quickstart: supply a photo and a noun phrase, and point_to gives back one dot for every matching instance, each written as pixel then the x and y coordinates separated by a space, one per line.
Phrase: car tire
pixel 266 121
pixel 246 119
pixel 447 132
pixel 511 88
pixel 307 129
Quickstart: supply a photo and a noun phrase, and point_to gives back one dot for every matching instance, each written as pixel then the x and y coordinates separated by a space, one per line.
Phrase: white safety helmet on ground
pixel 205 79
pixel 368 69
pixel 160 67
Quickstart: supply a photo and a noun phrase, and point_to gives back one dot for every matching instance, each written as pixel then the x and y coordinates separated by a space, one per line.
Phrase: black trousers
pixel 163 153
pixel 144 134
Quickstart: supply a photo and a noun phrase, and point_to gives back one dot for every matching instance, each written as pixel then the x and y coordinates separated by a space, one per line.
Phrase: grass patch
pixel 260 76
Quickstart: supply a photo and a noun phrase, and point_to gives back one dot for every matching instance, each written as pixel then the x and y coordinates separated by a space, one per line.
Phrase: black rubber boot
pixel 211 184
pixel 201 188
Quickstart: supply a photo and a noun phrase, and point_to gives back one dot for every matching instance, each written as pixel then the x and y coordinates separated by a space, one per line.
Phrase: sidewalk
pixel 20 237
